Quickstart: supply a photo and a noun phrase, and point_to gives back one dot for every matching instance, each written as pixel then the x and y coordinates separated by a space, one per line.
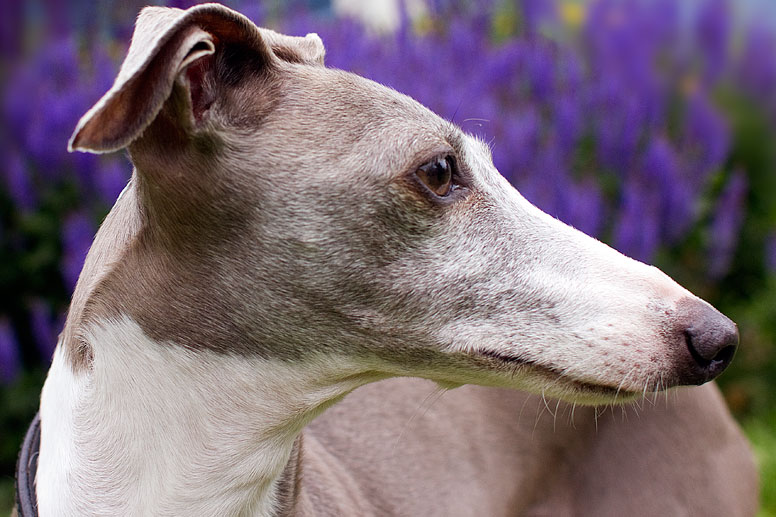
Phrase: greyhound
pixel 291 233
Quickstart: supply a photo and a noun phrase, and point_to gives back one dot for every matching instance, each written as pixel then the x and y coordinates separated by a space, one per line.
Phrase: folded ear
pixel 171 45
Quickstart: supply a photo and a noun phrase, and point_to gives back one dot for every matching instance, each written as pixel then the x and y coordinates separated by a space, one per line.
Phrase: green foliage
pixel 750 387
pixel 6 495
pixel 19 403
pixel 762 433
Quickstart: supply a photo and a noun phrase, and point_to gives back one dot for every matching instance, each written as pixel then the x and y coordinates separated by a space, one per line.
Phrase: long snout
pixel 654 327
pixel 568 307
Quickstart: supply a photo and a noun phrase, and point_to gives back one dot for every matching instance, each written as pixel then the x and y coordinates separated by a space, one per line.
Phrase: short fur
pixel 274 250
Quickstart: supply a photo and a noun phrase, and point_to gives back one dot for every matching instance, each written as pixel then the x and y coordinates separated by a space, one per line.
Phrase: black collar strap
pixel 26 468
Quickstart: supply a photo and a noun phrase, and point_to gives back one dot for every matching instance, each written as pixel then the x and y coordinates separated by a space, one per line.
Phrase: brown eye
pixel 437 175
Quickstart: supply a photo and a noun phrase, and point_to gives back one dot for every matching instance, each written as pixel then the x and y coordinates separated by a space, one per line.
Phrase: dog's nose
pixel 711 339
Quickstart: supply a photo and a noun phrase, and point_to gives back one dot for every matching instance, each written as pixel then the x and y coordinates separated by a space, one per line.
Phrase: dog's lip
pixel 586 386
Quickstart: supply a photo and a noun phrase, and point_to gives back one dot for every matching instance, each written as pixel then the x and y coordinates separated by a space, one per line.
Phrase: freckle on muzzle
pixel 709 340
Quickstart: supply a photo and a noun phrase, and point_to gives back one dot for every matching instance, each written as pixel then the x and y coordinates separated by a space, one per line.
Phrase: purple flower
pixel 534 13
pixel 713 33
pixel 42 103
pixel 705 140
pixel 77 234
pixel 181 4
pixel 45 327
pixel 726 223
pixel 660 165
pixel 770 252
pixel 540 71
pixel 9 352
pixel 586 212
pixel 111 178
pixel 515 148
pixel 57 106
pixel 568 124
pixel 11 27
pixel 18 183
pixel 255 11
pixel 756 71
pixel 637 231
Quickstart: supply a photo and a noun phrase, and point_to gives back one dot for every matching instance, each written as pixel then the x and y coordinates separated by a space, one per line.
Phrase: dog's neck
pixel 153 428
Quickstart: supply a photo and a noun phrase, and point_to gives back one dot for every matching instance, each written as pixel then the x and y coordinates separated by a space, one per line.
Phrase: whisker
pixel 573 407
pixel 522 408
pixel 544 399
pixel 539 413
pixel 428 401
pixel 640 403
pixel 456 110
pixel 622 383
pixel 656 390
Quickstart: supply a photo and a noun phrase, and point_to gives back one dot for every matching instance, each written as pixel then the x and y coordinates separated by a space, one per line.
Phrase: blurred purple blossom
pixel 534 13
pixel 770 252
pixel 637 230
pixel 11 30
pixel 18 182
pixel 77 234
pixel 42 103
pixel 45 327
pixel 705 140
pixel 726 224
pixel 586 207
pixel 756 69
pixel 568 124
pixel 111 179
pixel 713 27
pixel 9 352
pixel 661 167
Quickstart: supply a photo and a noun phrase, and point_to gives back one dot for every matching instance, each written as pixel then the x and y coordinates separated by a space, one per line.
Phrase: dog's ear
pixel 171 48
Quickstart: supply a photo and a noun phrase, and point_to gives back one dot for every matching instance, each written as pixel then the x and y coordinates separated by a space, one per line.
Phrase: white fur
pixel 606 331
pixel 180 433
pixel 59 405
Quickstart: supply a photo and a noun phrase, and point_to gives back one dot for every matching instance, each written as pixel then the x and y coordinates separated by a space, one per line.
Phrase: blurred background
pixel 650 124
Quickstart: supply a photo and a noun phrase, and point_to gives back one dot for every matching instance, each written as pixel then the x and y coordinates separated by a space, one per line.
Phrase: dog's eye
pixel 437 175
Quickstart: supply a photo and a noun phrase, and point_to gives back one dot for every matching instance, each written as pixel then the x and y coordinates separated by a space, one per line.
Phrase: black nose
pixel 711 340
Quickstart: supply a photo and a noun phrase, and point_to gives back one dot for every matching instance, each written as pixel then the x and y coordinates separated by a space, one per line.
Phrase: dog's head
pixel 283 209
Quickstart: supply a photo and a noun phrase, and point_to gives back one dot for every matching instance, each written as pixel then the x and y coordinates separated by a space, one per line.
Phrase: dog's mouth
pixel 556 379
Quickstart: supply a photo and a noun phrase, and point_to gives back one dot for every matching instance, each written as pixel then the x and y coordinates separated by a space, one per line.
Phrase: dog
pixel 292 233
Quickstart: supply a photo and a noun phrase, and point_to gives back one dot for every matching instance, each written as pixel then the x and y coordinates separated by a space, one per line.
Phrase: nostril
pixel 713 348
pixel 724 356
pixel 690 340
